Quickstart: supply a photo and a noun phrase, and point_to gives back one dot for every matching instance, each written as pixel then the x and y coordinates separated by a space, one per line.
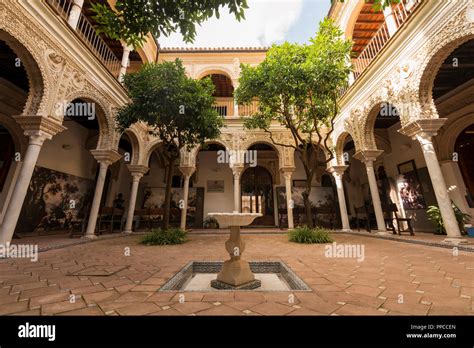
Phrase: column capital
pixel 39 126
pixel 237 168
pixel 137 170
pixel 424 128
pixel 367 156
pixel 337 170
pixel 106 156
pixel 187 170
pixel 126 47
pixel 287 170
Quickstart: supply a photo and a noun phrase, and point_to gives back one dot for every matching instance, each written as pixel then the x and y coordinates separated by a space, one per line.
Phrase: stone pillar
pixel 390 20
pixel 38 129
pixel 236 171
pixel 368 157
pixel 235 84
pixel 337 172
pixel 187 172
pixel 137 172
pixel 75 13
pixel 423 130
pixel 105 158
pixel 455 183
pixel 125 61
pixel 289 199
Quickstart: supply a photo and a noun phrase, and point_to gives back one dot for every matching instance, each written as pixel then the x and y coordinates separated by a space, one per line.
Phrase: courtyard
pixel 394 278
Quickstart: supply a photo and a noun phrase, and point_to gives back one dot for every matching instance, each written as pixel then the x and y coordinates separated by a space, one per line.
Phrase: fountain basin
pixel 235 218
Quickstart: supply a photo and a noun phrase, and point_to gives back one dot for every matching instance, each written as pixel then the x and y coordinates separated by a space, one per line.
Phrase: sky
pixel 267 22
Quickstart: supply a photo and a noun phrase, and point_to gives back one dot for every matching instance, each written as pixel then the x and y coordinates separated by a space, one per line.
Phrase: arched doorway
pixel 465 148
pixel 7 151
pixel 223 94
pixel 257 194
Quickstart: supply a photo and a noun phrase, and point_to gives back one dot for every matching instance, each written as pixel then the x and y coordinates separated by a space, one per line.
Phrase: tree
pixel 297 86
pixel 132 20
pixel 178 109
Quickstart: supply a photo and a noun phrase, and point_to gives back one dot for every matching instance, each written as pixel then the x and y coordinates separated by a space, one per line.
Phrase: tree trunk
pixel 169 179
pixel 307 203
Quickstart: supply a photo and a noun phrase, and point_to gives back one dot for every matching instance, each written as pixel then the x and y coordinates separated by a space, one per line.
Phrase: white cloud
pixel 267 21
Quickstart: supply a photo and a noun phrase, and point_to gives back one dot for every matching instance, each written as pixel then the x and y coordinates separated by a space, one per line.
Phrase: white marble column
pixel 368 157
pixel 38 129
pixel 423 130
pixel 137 172
pixel 16 202
pixel 390 20
pixel 287 173
pixel 236 171
pixel 125 61
pixel 187 172
pixel 439 185
pixel 75 13
pixel 338 172
pixel 235 84
pixel 105 158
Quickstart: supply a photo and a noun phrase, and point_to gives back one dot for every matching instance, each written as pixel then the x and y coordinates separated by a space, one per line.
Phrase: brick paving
pixel 394 279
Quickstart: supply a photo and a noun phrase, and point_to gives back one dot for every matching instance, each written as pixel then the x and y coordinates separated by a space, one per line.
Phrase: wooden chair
pixel 139 216
pixel 361 215
pixel 155 217
pixel 282 217
pixel 393 211
pixel 328 215
pixel 108 216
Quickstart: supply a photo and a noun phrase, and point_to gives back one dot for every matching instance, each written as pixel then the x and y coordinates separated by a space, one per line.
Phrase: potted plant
pixel 434 215
pixel 210 222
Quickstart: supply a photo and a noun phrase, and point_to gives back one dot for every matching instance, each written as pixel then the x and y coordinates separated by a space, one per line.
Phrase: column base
pixel 127 232
pixel 382 233
pixel 345 230
pixel 455 241
pixel 89 236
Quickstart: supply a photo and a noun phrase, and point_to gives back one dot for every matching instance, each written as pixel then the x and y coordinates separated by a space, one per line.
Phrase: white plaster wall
pixel 76 160
pixel 209 169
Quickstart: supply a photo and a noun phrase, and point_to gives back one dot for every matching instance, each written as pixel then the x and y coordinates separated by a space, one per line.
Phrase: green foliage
pixel 434 215
pixel 179 108
pixel 168 237
pixel 134 19
pixel 297 86
pixel 307 235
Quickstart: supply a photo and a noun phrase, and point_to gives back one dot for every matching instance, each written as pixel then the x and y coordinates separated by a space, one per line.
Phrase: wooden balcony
pixel 88 35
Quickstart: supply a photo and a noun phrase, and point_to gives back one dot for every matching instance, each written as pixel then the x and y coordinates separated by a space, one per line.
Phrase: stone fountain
pixel 235 273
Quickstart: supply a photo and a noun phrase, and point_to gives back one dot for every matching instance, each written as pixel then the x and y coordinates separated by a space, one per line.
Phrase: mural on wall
pixel 154 198
pixel 53 200
pixel 320 197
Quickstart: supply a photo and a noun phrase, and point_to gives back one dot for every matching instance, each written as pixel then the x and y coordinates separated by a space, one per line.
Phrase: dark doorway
pixel 257 195
pixel 7 151
pixel 465 148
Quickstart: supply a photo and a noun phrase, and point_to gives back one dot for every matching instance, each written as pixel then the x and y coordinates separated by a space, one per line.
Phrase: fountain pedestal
pixel 235 273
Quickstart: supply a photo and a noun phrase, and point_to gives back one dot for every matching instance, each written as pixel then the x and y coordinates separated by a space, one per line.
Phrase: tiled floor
pixel 394 279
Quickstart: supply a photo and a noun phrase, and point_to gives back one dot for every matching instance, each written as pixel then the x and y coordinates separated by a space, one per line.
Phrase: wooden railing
pixel 62 7
pixel 401 13
pixel 248 110
pixel 87 33
pixel 224 106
